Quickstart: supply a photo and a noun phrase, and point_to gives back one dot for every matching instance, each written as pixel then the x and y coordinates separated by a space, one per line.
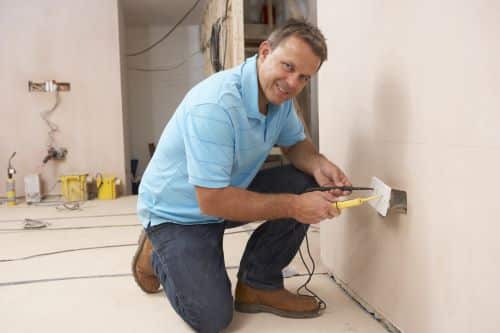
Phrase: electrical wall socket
pixel 48 86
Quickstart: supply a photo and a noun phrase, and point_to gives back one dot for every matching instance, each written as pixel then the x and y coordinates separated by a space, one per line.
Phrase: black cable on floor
pixel 89 248
pixel 43 254
pixel 97 276
pixel 13 230
pixel 72 217
pixel 310 273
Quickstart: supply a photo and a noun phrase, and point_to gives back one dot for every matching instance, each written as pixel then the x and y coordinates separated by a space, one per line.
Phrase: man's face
pixel 284 71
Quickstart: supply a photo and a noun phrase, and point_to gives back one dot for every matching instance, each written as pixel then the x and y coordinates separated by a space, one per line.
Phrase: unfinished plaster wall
pixel 76 42
pixel 158 80
pixel 410 94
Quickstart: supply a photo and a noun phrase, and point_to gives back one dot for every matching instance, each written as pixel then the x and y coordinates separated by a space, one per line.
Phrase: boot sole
pixel 256 308
pixel 140 245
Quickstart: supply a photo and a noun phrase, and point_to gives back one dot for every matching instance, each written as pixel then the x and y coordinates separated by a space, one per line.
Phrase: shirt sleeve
pixel 209 144
pixel 292 131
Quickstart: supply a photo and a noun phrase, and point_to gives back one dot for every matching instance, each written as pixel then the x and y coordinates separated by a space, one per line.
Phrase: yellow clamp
pixel 354 202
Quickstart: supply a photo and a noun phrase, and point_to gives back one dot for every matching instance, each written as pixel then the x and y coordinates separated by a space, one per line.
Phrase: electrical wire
pixel 86 248
pixel 43 254
pixel 167 34
pixel 37 226
pixel 46 203
pixel 69 206
pixel 165 69
pixel 52 126
pixel 225 38
pixel 52 188
pixel 217 27
pixel 72 217
pixel 310 273
pixel 58 204
pixel 214 46
pixel 45 228
pixel 238 232
pixel 34 224
pixel 96 276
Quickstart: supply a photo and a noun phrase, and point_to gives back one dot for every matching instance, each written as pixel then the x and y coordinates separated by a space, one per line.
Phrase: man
pixel 204 177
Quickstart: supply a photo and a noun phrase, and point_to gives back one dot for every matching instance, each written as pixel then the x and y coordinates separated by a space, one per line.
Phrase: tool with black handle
pixel 347 203
pixel 341 188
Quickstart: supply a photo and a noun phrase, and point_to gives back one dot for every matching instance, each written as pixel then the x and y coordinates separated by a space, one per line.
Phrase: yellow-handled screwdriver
pixel 354 202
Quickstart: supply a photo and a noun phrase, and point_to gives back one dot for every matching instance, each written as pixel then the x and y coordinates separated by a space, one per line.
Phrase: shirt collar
pixel 250 88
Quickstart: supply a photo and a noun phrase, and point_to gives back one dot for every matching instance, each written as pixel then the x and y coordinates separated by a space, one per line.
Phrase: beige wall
pixel 122 33
pixel 410 94
pixel 75 41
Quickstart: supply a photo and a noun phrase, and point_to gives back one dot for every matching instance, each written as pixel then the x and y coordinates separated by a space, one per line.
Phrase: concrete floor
pixel 70 289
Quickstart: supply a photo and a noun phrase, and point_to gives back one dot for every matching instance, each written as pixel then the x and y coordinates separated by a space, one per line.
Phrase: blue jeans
pixel 189 259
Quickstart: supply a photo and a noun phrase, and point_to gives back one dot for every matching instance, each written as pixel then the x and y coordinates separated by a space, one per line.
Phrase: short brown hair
pixel 305 31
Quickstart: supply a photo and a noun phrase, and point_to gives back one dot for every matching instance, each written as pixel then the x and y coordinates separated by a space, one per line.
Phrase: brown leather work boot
pixel 280 302
pixel 141 266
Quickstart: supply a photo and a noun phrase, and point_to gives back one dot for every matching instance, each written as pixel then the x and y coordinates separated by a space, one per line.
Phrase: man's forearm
pixel 235 204
pixel 304 156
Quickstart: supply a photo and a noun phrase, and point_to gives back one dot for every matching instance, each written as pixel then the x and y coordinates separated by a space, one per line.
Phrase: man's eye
pixel 287 66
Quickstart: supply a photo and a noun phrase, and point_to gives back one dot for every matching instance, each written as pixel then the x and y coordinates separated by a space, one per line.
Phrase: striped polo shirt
pixel 216 138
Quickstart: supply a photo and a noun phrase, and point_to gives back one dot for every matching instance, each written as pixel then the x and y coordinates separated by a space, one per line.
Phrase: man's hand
pixel 304 156
pixel 328 174
pixel 314 207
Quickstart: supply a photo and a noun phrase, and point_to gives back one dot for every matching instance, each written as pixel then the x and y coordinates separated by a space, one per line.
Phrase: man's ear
pixel 264 49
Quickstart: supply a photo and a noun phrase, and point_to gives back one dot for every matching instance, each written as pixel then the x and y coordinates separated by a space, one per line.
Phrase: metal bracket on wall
pixel 48 86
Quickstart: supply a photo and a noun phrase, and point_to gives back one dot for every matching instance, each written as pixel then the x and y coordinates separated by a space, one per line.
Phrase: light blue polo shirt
pixel 216 138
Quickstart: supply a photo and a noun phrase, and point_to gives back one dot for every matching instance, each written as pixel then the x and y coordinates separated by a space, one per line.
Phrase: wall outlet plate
pixel 380 189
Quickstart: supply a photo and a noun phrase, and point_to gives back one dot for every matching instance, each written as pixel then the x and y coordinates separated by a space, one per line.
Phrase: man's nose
pixel 293 82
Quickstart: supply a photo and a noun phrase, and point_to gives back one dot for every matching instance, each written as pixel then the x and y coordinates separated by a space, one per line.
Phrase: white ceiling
pixel 161 12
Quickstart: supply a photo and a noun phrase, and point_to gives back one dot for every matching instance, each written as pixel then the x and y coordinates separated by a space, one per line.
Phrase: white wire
pixel 50 124
pixel 167 68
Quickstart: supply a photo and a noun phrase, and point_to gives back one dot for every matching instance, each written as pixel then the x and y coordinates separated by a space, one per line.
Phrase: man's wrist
pixel 317 165
pixel 292 205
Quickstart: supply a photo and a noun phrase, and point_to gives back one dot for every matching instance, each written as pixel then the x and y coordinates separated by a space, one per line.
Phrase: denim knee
pixel 216 316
